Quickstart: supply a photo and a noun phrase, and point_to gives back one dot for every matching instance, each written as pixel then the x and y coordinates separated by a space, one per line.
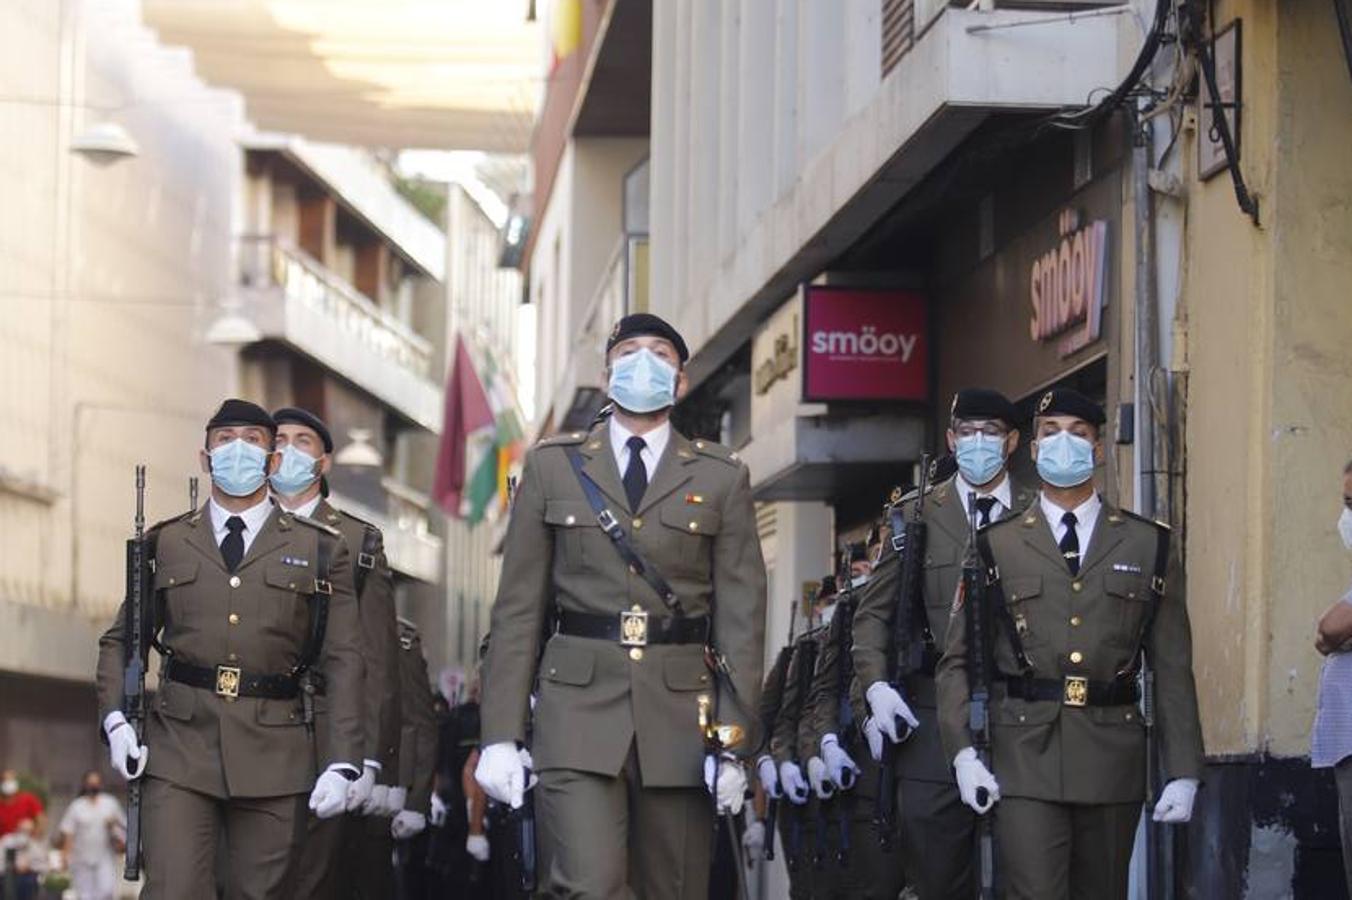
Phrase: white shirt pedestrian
pixel 92 827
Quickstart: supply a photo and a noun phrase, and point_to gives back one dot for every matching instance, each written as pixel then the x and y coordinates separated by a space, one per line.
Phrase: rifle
pixel 805 658
pixel 979 672
pixel 768 723
pixel 844 625
pixel 909 538
pixel 134 669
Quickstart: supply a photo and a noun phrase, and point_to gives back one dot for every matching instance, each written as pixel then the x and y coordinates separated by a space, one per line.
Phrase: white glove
pixel 839 765
pixel 887 706
pixel 972 775
pixel 731 787
pixel 501 774
pixel 1175 803
pixel 769 777
pixel 123 746
pixel 329 797
pixel 753 840
pixel 476 845
pixel 394 801
pixel 359 791
pixel 874 736
pixel 377 801
pixel 820 780
pixel 792 783
pixel 438 810
pixel 407 824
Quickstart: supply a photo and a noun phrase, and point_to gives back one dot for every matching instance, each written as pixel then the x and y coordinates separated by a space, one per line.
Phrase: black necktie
pixel 635 475
pixel 1070 543
pixel 232 548
pixel 984 507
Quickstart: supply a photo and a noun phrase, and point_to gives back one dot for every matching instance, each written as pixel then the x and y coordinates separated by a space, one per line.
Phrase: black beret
pixel 647 324
pixel 858 552
pixel 297 416
pixel 983 403
pixel 241 412
pixel 828 588
pixel 1070 402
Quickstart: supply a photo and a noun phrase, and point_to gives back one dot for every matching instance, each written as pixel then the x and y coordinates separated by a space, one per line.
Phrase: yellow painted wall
pixel 1268 323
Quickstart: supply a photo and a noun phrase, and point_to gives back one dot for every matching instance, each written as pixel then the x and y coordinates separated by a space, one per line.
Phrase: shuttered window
pixel 898 24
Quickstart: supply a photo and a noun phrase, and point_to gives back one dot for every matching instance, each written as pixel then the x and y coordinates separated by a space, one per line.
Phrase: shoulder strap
pixel 366 559
pixel 611 526
pixel 919 616
pixel 319 607
pixel 995 595
pixel 1157 587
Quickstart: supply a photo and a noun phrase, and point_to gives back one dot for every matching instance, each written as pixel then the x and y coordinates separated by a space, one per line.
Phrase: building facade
pixel 122 173
pixel 827 175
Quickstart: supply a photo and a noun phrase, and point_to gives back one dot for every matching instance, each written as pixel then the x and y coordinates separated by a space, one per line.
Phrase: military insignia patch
pixel 694 499
pixel 895 497
pixel 1127 567
pixel 1045 402
pixel 295 561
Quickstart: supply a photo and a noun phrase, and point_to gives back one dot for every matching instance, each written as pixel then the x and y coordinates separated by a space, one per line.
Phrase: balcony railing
pixel 294 298
pixel 268 261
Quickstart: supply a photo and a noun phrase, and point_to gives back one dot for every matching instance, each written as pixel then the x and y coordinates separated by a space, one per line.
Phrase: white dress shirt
pixel 253 517
pixel 656 443
pixel 307 509
pixel 1086 515
pixel 1003 497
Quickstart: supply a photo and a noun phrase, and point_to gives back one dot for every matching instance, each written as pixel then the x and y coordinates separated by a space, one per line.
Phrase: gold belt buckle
pixel 634 628
pixel 227 682
pixel 1076 692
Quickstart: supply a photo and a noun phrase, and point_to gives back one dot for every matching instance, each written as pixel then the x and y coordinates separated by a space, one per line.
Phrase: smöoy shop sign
pixel 864 344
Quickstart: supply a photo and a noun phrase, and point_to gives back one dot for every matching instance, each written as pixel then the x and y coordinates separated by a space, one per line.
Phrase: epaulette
pixel 1164 526
pixel 899 498
pixel 408 633
pixel 715 450
pixel 562 439
pixel 406 624
pixel 317 525
pixel 342 513
pixel 171 520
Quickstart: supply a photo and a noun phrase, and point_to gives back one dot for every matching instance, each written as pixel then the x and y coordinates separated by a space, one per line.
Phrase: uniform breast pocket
pixel 287 605
pixel 574 528
pixel 566 664
pixel 1023 595
pixel 691 533
pixel 1130 592
pixel 940 577
pixel 172 581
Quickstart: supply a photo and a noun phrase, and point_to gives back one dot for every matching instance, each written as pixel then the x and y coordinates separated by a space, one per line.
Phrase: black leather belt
pixel 1072 690
pixel 635 628
pixel 232 682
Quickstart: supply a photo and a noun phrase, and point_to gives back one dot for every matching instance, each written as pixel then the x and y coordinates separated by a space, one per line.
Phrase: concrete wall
pixel 108 275
pixel 1269 413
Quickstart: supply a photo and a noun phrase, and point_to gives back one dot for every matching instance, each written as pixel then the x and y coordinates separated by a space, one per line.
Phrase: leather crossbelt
pixel 635 628
pixel 232 682
pixel 1073 690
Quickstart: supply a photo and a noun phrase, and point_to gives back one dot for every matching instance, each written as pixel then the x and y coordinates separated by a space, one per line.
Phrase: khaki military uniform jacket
pixel 947 528
pixel 256 619
pixel 772 694
pixel 380 645
pixel 788 742
pixel 822 713
pixel 1086 625
pixel 418 742
pixel 696 525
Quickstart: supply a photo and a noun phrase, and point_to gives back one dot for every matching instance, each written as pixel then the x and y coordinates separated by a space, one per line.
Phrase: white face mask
pixel 1345 527
pixel 828 613
pixel 9 787
pixel 858 581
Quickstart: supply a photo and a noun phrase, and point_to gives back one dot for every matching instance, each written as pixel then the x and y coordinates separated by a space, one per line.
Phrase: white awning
pixel 445 74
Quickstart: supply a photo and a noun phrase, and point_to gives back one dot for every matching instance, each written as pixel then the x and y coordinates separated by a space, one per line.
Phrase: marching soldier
pixel 298 484
pixel 412 799
pixel 1076 590
pixel 642 544
pixel 238 585
pixel 794 755
pixel 834 721
pixel 937 831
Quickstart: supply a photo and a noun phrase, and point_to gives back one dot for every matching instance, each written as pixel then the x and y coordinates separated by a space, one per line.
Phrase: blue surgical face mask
pixel 1064 459
pixel 238 468
pixel 980 458
pixel 296 472
pixel 642 382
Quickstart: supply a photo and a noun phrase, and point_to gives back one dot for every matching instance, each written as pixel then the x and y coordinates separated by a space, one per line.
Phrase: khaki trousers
pixel 608 838
pixel 182 830
pixel 1062 851
pixel 938 839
